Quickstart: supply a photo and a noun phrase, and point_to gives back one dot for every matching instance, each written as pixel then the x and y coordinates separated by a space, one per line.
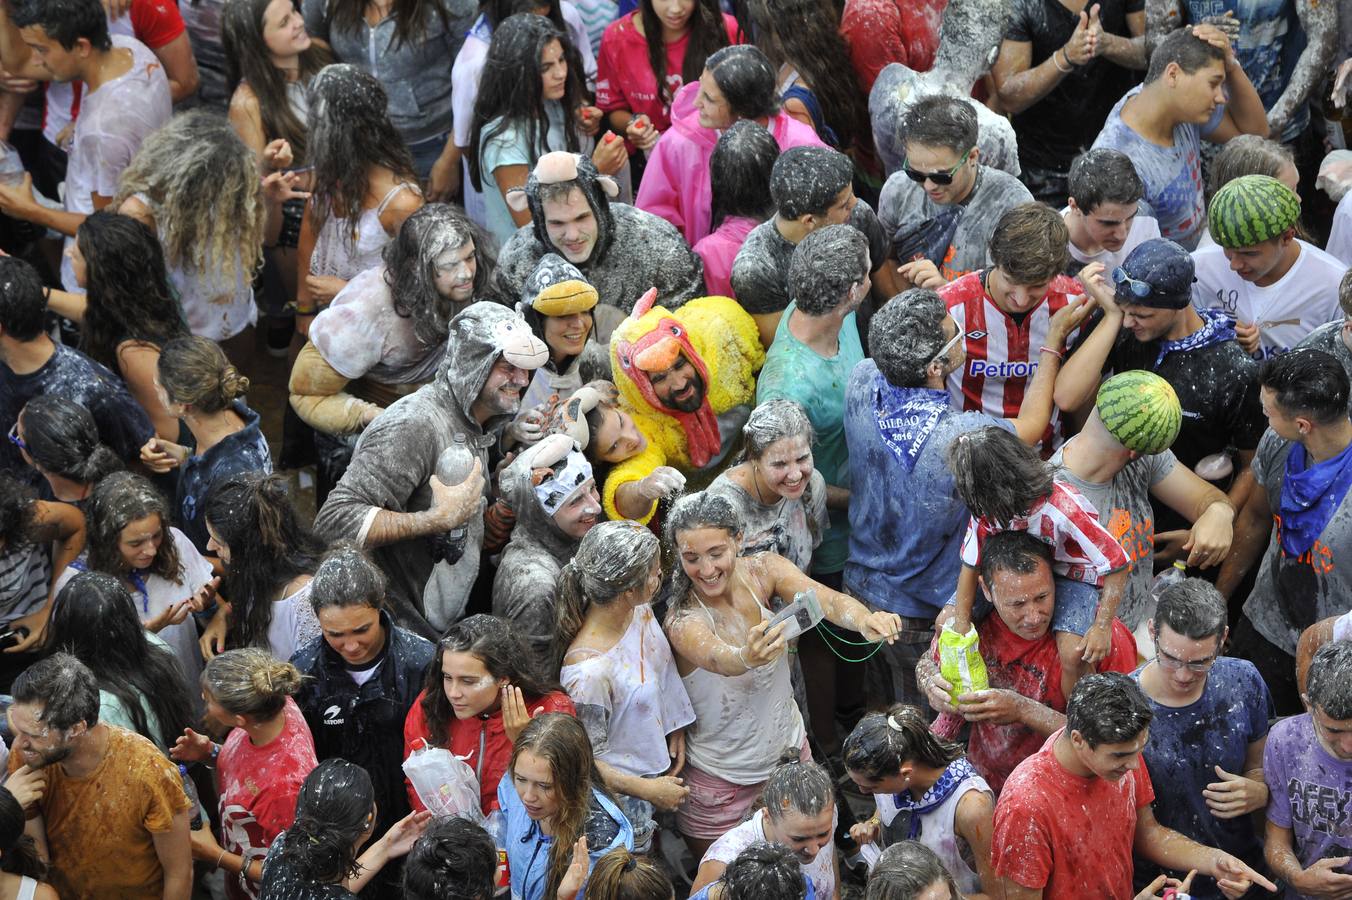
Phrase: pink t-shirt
pixel 258 787
pixel 718 249
pixel 625 78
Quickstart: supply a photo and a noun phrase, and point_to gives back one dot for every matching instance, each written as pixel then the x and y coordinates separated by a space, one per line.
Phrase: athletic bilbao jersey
pixel 1002 354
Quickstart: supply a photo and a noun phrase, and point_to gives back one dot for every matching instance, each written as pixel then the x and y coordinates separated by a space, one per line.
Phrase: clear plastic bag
pixel 960 662
pixel 445 783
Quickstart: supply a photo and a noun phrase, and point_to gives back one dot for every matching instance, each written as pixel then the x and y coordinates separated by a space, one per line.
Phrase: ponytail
pixel 613 558
pixel 883 742
pixel 570 611
pixel 623 875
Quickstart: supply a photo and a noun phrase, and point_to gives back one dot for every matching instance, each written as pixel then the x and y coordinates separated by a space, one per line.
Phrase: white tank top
pixel 938 833
pixel 293 623
pixel 743 723
pixel 336 255
pixel 28 888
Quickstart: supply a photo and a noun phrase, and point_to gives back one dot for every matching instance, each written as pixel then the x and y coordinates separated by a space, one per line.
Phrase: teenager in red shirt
pixel 479 695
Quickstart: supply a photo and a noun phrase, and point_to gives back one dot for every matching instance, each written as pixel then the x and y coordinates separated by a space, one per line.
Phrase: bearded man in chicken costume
pixel 688 378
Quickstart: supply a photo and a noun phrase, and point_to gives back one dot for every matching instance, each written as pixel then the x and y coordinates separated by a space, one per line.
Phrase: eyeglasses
pixel 943 352
pixel 943 179
pixel 15 439
pixel 1173 663
pixel 1138 288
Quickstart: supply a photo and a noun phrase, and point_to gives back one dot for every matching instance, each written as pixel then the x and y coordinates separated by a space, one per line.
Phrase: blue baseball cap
pixel 1158 273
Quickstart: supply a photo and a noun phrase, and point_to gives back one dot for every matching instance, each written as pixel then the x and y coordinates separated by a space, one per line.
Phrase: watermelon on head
pixel 1252 209
pixel 1141 410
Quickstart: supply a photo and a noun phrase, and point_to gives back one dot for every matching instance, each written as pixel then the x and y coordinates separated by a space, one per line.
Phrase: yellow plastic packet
pixel 960 662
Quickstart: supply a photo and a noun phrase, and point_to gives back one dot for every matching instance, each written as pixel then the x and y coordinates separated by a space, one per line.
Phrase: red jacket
pixel 480 740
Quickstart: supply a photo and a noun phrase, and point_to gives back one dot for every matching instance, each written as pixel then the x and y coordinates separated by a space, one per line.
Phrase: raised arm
pixel 1079 377
pixel 840 609
pixel 1319 21
pixel 1244 113
pixel 1161 17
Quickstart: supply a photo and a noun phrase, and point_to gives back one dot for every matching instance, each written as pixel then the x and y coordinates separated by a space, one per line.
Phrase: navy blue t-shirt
pixel 1187 743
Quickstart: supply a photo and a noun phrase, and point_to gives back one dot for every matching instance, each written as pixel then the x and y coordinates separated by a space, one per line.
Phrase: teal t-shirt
pixel 509 147
pixel 796 372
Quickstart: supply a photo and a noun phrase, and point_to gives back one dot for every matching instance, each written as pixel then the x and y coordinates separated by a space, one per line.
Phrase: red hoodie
pixel 480 740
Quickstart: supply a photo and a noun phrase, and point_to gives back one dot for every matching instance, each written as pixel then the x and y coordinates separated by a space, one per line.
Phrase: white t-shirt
pixel 1143 228
pixel 636 688
pixel 1340 238
pixel 821 871
pixel 157 593
pixel 362 334
pixel 113 121
pixel 938 830
pixel 1305 297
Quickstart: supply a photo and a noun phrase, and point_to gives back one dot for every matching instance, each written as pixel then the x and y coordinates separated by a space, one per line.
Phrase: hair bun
pixel 233 384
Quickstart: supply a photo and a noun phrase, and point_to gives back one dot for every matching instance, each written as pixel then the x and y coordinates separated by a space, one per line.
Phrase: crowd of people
pixel 757 450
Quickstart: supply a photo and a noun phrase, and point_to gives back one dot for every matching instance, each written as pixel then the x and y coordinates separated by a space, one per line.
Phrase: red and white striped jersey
pixel 1002 355
pixel 1082 549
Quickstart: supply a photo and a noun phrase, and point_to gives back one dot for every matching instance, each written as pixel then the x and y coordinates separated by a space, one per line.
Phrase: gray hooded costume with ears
pixel 525 588
pixel 634 250
pixel 397 455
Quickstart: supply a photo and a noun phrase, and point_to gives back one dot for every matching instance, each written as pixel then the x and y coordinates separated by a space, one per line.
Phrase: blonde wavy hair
pixel 202 184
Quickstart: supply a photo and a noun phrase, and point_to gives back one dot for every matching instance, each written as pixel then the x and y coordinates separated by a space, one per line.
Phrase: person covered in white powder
pixel 126 98
pixel 618 668
pixel 798 811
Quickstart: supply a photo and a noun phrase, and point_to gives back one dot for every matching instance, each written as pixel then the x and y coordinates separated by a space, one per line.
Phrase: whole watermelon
pixel 1252 209
pixel 1141 410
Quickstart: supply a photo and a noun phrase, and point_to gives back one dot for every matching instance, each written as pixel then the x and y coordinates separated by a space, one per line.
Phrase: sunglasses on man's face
pixel 943 179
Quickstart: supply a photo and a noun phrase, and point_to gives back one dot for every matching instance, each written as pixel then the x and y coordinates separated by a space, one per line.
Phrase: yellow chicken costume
pixel 720 340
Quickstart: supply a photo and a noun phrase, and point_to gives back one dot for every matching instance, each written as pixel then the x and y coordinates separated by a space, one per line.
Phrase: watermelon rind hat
pixel 1252 209
pixel 1140 410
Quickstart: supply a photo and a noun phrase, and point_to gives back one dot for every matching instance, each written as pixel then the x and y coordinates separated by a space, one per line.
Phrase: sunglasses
pixel 1138 288
pixel 943 352
pixel 15 439
pixel 943 179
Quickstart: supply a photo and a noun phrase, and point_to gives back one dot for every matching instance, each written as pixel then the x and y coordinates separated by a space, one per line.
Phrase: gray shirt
pixel 1289 594
pixel 1329 338
pixel 760 273
pixel 916 225
pixel 416 74
pixel 791 528
pixel 1123 506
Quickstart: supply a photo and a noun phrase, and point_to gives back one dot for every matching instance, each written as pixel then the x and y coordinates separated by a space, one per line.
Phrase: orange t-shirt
pixel 99 827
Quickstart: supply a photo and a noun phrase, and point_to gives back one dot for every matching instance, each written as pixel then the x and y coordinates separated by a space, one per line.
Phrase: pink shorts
pixel 715 806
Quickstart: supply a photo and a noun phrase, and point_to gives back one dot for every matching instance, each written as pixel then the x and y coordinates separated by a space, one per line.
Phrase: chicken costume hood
pixel 721 342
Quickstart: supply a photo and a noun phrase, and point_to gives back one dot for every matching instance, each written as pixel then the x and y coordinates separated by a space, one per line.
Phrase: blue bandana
pixel 1310 496
pixel 907 417
pixel 1217 327
pixel 957 772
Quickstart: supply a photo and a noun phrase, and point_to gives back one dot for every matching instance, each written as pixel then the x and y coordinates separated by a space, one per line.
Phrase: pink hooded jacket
pixel 676 181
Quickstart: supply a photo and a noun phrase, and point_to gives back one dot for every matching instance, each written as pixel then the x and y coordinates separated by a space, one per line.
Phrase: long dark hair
pixel 269 546
pixel 883 742
pixel 498 11
pixel 95 620
pixel 350 133
pixel 247 59
pixel 128 288
pixel 510 88
pixel 504 654
pixel 63 438
pixel 18 508
pixel 707 34
pixel 804 34
pixel 411 266
pixel 20 854
pixel 739 172
pixel 997 475
pixel 332 810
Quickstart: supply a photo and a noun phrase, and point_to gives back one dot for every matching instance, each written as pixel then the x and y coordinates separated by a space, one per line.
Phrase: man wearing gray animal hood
pixel 621 250
pixel 388 502
pixel 551 490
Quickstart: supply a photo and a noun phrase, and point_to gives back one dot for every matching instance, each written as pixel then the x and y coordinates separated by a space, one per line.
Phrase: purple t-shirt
pixel 1310 791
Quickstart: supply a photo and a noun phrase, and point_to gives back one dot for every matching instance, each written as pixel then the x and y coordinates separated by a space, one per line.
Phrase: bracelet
pixel 215 751
pixel 219 858
pixel 1070 66
pixel 1057 353
pixel 741 658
